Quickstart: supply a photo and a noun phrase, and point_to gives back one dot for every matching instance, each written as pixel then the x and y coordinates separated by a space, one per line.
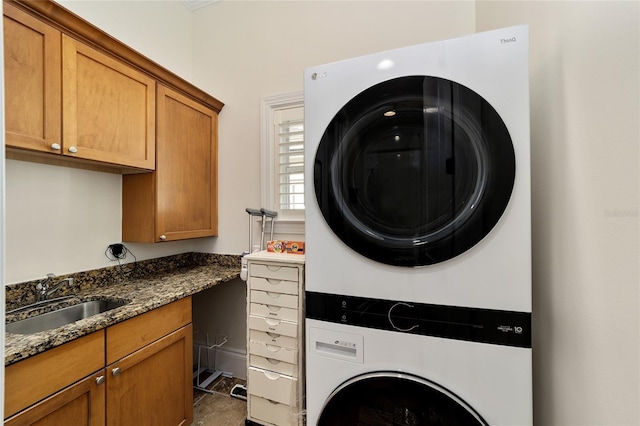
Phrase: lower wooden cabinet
pixel 80 404
pixel 153 386
pixel 147 379
pixel 38 377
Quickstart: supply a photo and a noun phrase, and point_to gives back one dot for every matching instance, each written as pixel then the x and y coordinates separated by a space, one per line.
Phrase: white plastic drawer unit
pixel 274 285
pixel 274 352
pixel 274 365
pixel 273 386
pixel 288 273
pixel 273 412
pixel 274 299
pixel 273 339
pixel 273 311
pixel 273 326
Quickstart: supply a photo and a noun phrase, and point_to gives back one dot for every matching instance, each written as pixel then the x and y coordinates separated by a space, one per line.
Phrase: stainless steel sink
pixel 63 316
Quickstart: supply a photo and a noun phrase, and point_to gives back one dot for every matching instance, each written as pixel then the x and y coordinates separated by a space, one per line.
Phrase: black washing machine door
pixel 396 399
pixel 414 171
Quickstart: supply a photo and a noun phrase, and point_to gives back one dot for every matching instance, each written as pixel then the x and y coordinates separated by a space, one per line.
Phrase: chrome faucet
pixel 47 287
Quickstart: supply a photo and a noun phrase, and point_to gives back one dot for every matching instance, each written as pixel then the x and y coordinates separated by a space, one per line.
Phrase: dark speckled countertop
pixel 147 285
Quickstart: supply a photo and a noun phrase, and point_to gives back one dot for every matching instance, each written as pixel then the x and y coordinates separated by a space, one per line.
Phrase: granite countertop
pixel 146 286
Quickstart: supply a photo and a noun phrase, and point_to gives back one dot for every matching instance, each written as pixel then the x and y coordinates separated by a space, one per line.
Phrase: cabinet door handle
pixel 100 380
pixel 55 146
pixel 116 371
pixel 73 149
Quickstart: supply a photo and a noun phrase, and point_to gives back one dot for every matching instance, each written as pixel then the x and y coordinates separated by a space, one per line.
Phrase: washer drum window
pixel 414 171
pixel 395 399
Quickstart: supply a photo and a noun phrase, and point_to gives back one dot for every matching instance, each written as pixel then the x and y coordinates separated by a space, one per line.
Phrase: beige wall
pixel 160 30
pixel 585 134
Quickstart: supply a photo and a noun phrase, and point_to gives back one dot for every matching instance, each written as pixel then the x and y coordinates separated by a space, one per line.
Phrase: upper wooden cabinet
pixel 76 92
pixel 180 199
pixel 33 75
pixel 105 108
pixel 108 108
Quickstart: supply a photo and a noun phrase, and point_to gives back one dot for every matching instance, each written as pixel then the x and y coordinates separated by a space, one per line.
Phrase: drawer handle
pixel 273 281
pixel 273 361
pixel 271 376
pixel 100 380
pixel 273 295
pixel 272 348
pixel 273 335
pixel 273 308
pixel 274 268
pixel 272 323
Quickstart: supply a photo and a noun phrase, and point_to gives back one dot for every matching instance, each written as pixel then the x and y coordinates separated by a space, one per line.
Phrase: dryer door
pixel 414 171
pixel 395 399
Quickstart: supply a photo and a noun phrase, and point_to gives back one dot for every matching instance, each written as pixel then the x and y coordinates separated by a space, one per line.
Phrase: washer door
pixel 414 171
pixel 395 399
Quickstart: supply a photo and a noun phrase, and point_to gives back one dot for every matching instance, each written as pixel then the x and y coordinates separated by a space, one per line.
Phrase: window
pixel 282 119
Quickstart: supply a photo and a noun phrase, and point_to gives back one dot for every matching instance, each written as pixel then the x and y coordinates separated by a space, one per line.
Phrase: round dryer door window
pixel 394 399
pixel 414 171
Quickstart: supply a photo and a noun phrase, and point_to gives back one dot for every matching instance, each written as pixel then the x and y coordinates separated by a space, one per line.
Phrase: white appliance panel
pixel 495 380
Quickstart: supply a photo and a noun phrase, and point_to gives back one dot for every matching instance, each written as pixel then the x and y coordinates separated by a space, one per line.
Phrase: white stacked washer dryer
pixel 418 265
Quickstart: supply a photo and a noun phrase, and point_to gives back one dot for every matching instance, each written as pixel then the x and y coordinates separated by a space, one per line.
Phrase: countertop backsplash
pixel 22 294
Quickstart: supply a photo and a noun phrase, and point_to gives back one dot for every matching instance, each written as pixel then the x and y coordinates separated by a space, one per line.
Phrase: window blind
pixel 290 159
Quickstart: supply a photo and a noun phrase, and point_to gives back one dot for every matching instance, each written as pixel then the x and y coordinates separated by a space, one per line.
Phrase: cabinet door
pixel 153 386
pixel 39 376
pixel 180 199
pixel 187 158
pixel 109 108
pixel 80 404
pixel 32 82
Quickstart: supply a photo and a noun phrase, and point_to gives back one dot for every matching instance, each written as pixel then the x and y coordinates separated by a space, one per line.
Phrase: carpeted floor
pixel 219 408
